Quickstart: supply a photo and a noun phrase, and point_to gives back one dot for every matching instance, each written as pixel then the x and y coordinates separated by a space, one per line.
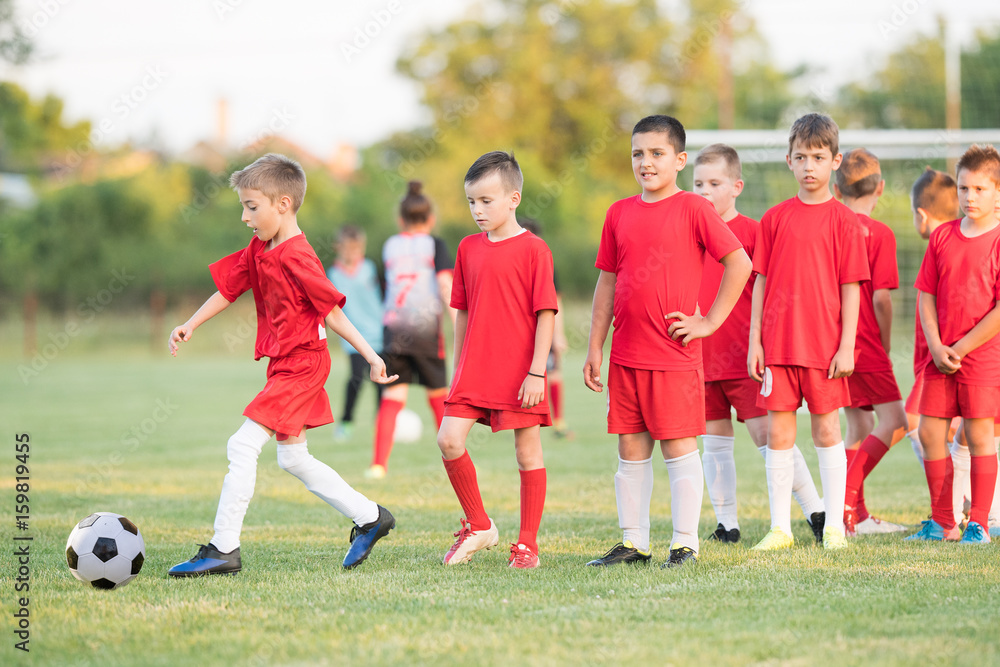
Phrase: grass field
pixel 144 435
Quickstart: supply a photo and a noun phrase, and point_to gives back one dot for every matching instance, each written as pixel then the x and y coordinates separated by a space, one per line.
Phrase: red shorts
pixel 294 397
pixel 913 400
pixel 946 397
pixel 723 395
pixel 667 404
pixel 497 420
pixel 868 389
pixel 784 387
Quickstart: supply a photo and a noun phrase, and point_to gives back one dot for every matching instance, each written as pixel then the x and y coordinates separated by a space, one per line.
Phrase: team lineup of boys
pixel 795 307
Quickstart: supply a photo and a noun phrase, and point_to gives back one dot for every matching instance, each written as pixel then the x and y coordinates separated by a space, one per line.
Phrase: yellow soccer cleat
pixel 775 539
pixel 833 539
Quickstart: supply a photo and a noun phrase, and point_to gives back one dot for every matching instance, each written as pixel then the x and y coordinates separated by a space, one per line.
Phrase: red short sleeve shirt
pixel 290 289
pixel 880 243
pixel 964 275
pixel 503 285
pixel 725 351
pixel 657 253
pixel 806 252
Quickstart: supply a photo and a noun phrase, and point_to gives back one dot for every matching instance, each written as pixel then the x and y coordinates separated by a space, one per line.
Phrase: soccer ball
pixel 105 550
pixel 408 426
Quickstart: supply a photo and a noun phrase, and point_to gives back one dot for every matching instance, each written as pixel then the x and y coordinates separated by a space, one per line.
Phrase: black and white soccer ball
pixel 105 550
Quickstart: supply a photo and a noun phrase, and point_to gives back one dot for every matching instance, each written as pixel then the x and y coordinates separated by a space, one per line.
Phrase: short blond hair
pixel 274 175
pixel 724 154
pixel 859 174
pixel 815 130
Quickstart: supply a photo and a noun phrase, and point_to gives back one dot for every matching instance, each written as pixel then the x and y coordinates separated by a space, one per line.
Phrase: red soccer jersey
pixel 725 351
pixel 806 252
pixel 502 286
pixel 964 274
pixel 921 355
pixel 880 243
pixel 290 289
pixel 657 253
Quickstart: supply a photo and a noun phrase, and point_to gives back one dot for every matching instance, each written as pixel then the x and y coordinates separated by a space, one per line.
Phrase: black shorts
pixel 423 369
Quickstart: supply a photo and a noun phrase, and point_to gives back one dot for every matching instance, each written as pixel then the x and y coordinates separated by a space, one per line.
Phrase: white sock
pixel 780 467
pixel 918 447
pixel 242 450
pixel 633 493
pixel 719 463
pixel 326 484
pixel 833 476
pixel 803 487
pixel 961 487
pixel 687 488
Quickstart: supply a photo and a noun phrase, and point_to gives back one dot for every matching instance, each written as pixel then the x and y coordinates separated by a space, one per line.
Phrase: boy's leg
pixel 832 474
pixel 435 398
pixel 359 371
pixel 938 469
pixel 979 433
pixel 780 467
pixel 393 400
pixel 891 428
pixel 719 463
pixel 634 488
pixel 961 461
pixel 803 487
pixel 478 530
pixel 686 492
pixel 860 424
pixel 531 468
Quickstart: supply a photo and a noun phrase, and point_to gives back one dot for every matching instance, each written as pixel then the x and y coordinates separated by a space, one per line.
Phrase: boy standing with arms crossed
pixel 506 304
pixel 295 301
pixel 810 259
pixel 959 283
pixel 651 256
pixel 718 177
pixel 873 385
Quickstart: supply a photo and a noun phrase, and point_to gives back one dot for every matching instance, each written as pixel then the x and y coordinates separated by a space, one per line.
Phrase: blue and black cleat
pixel 363 538
pixel 208 560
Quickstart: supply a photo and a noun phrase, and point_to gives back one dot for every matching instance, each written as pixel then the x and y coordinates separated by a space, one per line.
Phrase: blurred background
pixel 121 122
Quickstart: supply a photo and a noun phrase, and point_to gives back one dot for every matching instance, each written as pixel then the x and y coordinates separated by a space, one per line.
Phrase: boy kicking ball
pixel 506 303
pixel 295 301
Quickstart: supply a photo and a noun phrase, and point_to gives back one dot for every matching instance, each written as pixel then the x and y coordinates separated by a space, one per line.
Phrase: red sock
pixel 555 398
pixel 532 503
pixel 855 480
pixel 385 426
pixel 462 474
pixel 939 481
pixel 983 476
pixel 437 406
pixel 864 461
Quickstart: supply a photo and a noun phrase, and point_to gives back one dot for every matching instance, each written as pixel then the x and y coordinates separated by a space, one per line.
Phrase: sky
pixel 323 73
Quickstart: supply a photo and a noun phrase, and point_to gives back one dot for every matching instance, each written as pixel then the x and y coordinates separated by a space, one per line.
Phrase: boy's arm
pixel 842 364
pixel 985 329
pixel 882 302
pixel 461 324
pixel 735 274
pixel 342 326
pixel 755 353
pixel 945 358
pixel 532 389
pixel 444 281
pixel 559 342
pixel 601 314
pixel 212 307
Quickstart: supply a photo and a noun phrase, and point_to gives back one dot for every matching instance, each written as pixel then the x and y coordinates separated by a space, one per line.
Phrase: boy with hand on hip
pixel 295 301
pixel 651 256
pixel 810 260
pixel 506 304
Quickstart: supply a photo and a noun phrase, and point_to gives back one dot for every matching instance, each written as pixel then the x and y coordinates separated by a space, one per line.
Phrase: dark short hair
pixel 668 125
pixel 859 174
pixel 815 130
pixel 503 164
pixel 982 159
pixel 935 192
pixel 415 207
pixel 727 155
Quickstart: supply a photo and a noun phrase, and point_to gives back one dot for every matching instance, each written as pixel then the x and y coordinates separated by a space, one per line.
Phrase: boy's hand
pixel 179 334
pixel 592 371
pixel 842 364
pixel 377 373
pixel 532 391
pixel 947 360
pixel 689 327
pixel 755 362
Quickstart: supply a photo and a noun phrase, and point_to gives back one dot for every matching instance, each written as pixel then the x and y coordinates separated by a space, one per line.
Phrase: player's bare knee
pixel 451 446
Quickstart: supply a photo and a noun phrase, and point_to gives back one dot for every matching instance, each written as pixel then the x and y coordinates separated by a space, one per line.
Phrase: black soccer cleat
pixel 208 560
pixel 363 538
pixel 623 552
pixel 817 521
pixel 731 536
pixel 679 556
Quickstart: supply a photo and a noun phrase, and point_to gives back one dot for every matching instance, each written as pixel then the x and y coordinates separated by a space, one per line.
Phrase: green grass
pixel 884 601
